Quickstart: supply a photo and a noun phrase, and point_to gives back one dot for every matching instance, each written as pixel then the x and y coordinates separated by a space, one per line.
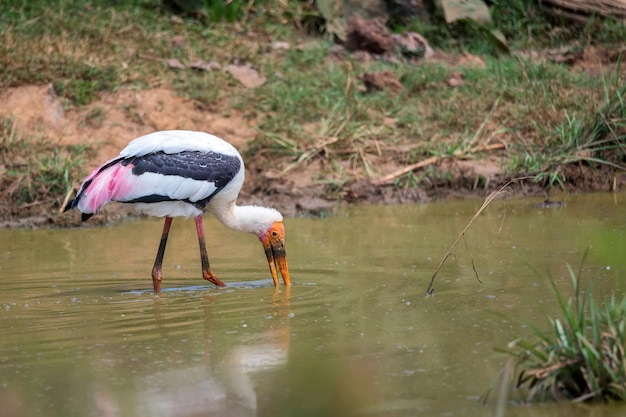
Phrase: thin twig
pixel 503 219
pixel 488 200
pixel 478 132
pixel 305 156
pixel 472 259
pixel 68 195
pixel 432 160
pixel 421 164
pixel 151 57
pixel 37 203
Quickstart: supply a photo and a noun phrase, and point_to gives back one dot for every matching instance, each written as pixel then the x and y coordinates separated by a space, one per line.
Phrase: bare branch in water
pixel 472 259
pixel 488 200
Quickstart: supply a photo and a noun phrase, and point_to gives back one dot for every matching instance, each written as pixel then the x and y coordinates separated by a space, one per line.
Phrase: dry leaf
pixel 177 20
pixel 412 43
pixel 177 41
pixel 382 80
pixel 469 60
pixel 246 75
pixel 455 79
pixel 369 35
pixel 390 121
pixel 175 63
pixel 454 10
pixel 201 65
pixel 281 46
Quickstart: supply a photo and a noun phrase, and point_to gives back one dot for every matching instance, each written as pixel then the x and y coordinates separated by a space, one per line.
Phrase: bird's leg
pixel 204 257
pixel 158 263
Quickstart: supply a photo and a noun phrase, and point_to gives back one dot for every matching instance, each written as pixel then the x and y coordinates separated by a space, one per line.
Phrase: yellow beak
pixel 274 245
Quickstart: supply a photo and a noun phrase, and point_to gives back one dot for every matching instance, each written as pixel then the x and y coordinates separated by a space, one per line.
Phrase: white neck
pixel 250 219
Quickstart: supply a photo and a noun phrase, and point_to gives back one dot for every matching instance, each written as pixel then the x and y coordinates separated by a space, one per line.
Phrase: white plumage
pixel 185 140
pixel 178 173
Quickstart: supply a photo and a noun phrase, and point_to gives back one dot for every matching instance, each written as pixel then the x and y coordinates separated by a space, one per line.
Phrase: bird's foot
pixel 210 276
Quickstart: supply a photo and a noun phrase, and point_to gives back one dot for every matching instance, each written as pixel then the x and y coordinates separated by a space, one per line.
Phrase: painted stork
pixel 180 173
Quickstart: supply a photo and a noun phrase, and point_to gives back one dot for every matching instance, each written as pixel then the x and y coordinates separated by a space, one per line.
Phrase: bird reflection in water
pixel 223 385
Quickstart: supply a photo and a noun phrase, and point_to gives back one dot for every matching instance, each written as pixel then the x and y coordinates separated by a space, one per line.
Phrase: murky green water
pixel 82 335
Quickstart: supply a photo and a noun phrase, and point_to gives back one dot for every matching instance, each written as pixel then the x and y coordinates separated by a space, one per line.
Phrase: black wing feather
pixel 200 166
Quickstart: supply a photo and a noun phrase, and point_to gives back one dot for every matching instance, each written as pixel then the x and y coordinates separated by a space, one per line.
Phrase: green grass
pixel 313 104
pixel 580 356
pixel 524 24
pixel 36 174
pixel 519 99
pixel 598 138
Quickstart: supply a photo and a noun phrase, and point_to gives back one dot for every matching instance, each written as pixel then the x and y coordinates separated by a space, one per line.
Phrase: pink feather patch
pixel 111 184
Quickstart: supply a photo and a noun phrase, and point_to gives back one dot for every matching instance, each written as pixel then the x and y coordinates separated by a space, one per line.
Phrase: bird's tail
pixel 95 190
pixel 74 203
pixel 71 204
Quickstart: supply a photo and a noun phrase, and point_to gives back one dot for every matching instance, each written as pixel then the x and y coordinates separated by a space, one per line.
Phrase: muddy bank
pixel 105 126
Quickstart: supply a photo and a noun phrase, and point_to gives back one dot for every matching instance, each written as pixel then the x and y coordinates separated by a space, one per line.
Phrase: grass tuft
pixel 581 356
pixel 598 139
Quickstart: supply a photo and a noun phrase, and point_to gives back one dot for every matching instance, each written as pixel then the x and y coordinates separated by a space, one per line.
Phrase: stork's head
pixel 274 244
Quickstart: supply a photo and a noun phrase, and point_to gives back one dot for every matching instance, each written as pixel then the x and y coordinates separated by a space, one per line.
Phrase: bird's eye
pixel 274 233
